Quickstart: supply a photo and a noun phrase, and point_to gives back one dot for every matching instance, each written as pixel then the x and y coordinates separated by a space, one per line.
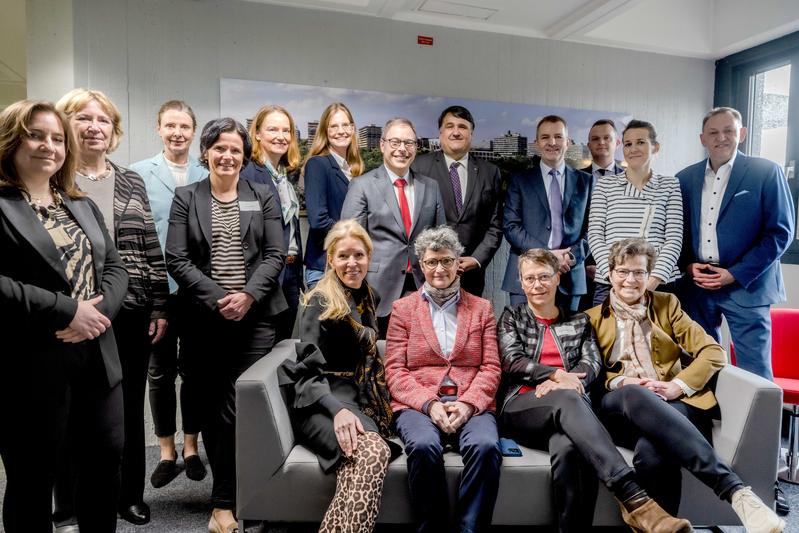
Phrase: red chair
pixel 785 364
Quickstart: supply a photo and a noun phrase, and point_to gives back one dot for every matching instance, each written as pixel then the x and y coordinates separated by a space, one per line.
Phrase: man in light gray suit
pixel 394 204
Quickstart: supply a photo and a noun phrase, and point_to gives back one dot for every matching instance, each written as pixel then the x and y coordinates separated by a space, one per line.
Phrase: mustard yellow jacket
pixel 676 339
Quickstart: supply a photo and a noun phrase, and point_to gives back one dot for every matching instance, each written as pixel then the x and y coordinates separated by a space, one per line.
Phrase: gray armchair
pixel 280 481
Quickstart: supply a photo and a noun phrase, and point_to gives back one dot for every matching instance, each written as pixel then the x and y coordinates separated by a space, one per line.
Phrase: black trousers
pixel 35 425
pixel 292 285
pixel 408 286
pixel 666 436
pixel 580 449
pixel 165 364
pixel 217 352
pixel 131 329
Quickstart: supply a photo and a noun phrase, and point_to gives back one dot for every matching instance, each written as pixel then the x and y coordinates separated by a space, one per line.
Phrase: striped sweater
pixel 619 210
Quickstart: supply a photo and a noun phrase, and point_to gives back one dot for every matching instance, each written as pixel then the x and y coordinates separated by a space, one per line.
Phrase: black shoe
pixel 164 473
pixel 137 514
pixel 195 469
pixel 781 502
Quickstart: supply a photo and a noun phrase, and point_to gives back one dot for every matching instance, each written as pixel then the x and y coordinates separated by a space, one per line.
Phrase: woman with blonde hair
pixel 61 283
pixel 333 160
pixel 274 161
pixel 340 402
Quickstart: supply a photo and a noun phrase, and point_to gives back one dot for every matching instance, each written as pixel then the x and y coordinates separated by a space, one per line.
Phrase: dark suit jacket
pixel 479 226
pixel 527 224
pixel 35 299
pixel 259 174
pixel 325 190
pixel 617 169
pixel 755 227
pixel 371 201
pixel 188 246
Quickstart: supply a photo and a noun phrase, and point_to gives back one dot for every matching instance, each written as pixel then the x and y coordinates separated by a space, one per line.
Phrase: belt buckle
pixel 291 259
pixel 448 393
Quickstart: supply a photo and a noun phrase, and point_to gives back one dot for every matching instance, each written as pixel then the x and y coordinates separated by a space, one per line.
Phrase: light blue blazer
pixel 161 190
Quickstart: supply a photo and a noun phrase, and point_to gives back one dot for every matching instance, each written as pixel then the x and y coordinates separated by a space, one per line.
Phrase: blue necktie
pixel 555 211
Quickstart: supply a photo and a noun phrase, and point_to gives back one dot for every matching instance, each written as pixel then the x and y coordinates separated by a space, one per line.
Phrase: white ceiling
pixel 707 29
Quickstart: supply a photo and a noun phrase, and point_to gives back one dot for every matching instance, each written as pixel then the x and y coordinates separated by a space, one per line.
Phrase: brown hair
pixel 621 251
pixel 540 256
pixel 291 159
pixel 321 142
pixel 77 99
pixel 14 127
pixel 554 119
pixel 177 105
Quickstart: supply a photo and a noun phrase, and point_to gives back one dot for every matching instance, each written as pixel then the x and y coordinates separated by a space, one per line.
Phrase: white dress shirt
pixel 712 194
pixel 445 321
pixel 342 164
pixel 408 188
pixel 463 172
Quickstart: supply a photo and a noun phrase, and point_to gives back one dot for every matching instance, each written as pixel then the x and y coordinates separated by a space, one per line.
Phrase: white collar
pixel 546 168
pixel 731 162
pixel 393 177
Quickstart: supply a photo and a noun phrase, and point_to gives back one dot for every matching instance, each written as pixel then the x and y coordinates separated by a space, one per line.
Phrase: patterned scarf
pixel 634 339
pixel 289 205
pixel 370 375
pixel 442 296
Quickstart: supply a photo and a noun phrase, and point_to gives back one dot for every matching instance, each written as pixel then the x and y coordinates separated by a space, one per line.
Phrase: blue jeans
pixel 478 443
pixel 312 277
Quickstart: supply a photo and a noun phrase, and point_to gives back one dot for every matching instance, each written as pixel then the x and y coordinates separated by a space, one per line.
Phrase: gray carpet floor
pixel 182 507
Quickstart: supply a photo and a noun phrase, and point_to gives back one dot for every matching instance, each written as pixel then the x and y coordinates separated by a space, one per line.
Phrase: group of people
pixel 116 277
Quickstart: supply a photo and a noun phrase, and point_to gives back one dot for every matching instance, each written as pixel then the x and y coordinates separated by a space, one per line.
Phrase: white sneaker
pixel 755 516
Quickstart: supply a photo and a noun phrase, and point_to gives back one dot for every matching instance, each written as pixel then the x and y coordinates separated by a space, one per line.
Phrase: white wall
pixel 143 52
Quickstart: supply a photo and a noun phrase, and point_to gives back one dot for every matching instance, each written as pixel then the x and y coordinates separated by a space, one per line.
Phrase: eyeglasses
pixel 432 264
pixel 543 279
pixel 623 273
pixel 396 143
pixel 341 127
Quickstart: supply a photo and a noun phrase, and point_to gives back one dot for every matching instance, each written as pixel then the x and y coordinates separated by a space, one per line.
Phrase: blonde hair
pixel 77 99
pixel 14 127
pixel 330 290
pixel 321 142
pixel 291 159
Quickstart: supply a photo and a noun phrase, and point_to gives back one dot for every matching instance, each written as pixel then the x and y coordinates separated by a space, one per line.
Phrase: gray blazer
pixel 371 201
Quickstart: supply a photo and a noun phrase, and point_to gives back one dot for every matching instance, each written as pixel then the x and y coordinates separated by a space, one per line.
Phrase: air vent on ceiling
pixel 455 9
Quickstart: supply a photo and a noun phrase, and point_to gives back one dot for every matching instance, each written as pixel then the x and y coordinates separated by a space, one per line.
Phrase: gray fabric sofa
pixel 280 481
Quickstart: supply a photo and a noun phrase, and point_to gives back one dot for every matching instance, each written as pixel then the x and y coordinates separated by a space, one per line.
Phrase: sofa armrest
pixel 264 436
pixel 748 435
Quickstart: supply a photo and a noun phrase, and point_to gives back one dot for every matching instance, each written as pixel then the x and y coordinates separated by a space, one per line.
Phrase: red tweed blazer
pixel 415 365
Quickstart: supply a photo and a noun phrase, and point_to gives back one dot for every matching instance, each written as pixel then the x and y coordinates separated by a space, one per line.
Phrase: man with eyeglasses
pixel 471 191
pixel 546 206
pixel 394 204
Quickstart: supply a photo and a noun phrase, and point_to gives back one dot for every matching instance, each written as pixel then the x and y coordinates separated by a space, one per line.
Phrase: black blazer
pixel 479 226
pixel 35 299
pixel 188 246
pixel 325 190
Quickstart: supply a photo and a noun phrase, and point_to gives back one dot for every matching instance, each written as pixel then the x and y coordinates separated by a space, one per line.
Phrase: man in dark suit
pixel 603 140
pixel 394 204
pixel 735 266
pixel 470 188
pixel 547 207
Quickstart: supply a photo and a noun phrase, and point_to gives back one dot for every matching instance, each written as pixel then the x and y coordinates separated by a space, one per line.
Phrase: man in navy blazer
pixel 381 201
pixel 739 220
pixel 476 216
pixel 528 222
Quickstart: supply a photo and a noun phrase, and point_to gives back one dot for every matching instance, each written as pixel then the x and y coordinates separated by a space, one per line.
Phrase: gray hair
pixel 736 115
pixel 397 121
pixel 435 239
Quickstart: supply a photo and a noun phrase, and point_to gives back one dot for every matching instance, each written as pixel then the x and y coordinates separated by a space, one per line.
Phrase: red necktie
pixel 405 211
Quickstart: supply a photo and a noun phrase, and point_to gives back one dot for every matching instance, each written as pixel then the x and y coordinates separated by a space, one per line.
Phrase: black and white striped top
pixel 227 254
pixel 74 248
pixel 619 210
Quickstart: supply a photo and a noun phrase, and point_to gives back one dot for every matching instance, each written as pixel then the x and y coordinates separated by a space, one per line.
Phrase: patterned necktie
pixel 555 211
pixel 455 178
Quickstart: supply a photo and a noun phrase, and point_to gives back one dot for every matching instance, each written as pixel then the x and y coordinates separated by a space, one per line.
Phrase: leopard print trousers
pixel 359 488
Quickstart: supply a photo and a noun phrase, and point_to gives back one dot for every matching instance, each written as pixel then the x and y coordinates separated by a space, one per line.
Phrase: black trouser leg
pixel 671 428
pixel 161 374
pixel 292 285
pixel 133 342
pixel 574 485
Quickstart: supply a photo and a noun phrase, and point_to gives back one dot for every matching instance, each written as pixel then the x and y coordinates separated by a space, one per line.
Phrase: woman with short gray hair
pixel 435 239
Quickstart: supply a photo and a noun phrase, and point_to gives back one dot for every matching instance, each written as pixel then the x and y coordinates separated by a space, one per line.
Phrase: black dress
pixel 323 377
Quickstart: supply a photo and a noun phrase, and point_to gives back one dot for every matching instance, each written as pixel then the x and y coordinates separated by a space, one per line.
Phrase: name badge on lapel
pixel 566 329
pixel 249 206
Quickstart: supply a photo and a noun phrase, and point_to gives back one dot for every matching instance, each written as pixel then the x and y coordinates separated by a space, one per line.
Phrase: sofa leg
pixel 792 457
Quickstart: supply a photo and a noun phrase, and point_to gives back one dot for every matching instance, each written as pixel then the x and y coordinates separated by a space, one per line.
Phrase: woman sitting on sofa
pixel 341 407
pixel 549 357
pixel 656 406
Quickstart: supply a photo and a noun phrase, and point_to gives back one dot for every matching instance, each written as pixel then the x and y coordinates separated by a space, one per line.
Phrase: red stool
pixel 785 365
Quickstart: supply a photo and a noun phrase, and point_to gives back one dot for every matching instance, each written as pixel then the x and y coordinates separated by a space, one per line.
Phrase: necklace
pixel 97 177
